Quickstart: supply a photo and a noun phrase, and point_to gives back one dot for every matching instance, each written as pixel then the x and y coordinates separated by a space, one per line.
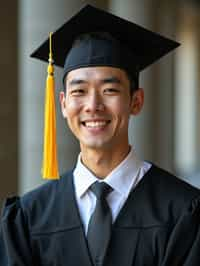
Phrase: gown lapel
pixel 128 227
pixel 75 236
pixel 125 237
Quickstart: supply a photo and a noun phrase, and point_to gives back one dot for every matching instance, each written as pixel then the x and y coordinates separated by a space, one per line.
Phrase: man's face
pixel 97 106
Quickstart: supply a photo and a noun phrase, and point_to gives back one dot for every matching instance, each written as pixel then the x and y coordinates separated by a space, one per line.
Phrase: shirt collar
pixel 121 179
pixel 83 178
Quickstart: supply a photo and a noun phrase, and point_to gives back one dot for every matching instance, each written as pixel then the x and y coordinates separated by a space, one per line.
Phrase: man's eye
pixel 111 90
pixel 77 92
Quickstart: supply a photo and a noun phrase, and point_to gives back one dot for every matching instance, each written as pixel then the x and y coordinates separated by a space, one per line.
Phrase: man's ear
pixel 137 101
pixel 63 104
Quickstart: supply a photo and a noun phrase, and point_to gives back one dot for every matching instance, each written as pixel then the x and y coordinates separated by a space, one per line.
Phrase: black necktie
pixel 99 228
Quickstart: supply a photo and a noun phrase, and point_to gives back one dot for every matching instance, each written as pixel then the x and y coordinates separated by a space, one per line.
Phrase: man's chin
pixel 96 145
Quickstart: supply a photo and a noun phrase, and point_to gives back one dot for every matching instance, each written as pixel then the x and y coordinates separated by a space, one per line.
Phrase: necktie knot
pixel 100 189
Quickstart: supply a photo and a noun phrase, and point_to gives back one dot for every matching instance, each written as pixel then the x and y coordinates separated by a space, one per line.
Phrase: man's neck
pixel 102 162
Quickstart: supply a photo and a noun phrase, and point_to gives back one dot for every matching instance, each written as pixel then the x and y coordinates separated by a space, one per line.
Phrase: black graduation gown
pixel 158 225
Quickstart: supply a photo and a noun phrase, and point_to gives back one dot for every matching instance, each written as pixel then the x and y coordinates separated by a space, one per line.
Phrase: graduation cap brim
pixel 147 45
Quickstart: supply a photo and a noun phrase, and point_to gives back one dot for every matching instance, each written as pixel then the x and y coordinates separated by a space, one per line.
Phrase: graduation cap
pixel 135 49
pixel 131 48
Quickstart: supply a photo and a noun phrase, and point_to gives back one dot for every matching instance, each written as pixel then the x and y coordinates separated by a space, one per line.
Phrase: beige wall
pixel 8 98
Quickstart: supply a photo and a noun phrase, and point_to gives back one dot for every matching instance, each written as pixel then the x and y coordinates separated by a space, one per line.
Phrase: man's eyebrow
pixel 111 80
pixel 76 82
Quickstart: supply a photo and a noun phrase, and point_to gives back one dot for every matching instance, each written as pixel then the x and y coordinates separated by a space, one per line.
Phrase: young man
pixel 112 209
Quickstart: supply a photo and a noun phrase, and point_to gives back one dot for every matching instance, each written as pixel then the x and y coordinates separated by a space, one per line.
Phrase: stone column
pixel 37 19
pixel 166 24
pixel 187 126
pixel 8 99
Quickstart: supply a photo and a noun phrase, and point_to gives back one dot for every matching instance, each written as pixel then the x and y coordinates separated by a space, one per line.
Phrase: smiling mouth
pixel 95 124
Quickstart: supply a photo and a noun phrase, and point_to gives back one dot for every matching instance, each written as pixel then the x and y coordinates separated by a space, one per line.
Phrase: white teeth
pixel 95 124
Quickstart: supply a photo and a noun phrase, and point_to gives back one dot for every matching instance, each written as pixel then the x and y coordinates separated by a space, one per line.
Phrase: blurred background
pixel 168 129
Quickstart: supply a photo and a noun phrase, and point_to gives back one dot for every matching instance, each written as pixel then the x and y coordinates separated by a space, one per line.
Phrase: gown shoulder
pixel 14 236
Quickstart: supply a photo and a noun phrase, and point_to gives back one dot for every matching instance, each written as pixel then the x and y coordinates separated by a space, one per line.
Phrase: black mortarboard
pixel 135 47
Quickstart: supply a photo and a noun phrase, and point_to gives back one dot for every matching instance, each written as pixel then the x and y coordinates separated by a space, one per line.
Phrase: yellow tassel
pixel 50 162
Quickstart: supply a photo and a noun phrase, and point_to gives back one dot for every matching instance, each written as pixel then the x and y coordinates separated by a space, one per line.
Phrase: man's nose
pixel 94 103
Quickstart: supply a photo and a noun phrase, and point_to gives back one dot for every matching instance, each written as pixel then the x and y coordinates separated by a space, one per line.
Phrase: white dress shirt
pixel 122 179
